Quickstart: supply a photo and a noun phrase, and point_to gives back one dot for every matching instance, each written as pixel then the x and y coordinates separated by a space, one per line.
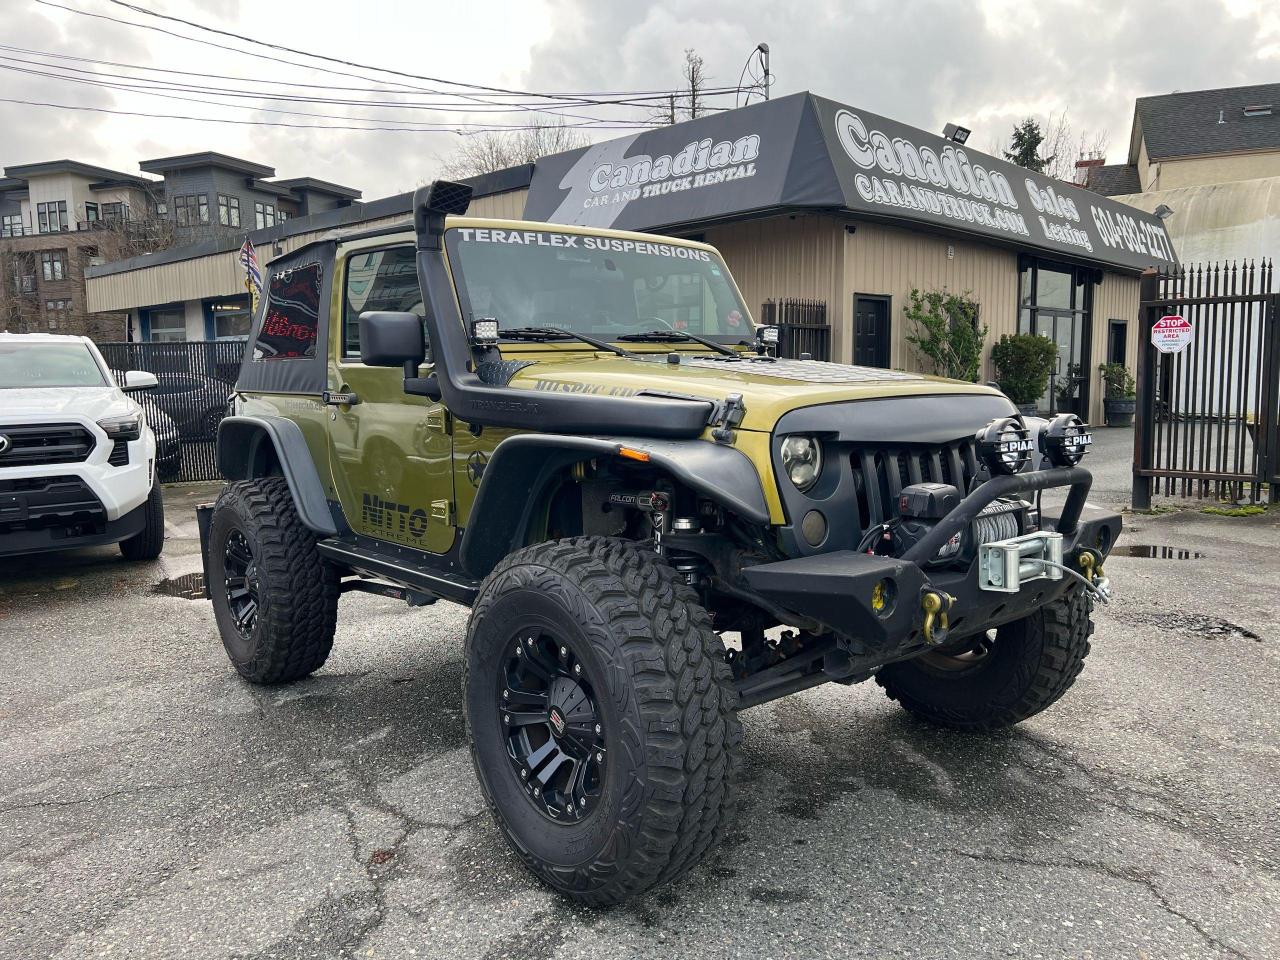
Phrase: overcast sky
pixel 984 65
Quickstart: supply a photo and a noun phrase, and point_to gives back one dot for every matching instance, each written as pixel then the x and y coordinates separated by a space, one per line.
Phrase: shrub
pixel 1022 364
pixel 1117 381
pixel 947 333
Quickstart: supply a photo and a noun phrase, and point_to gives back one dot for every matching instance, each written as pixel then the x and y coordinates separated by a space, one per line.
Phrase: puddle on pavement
pixel 189 586
pixel 1149 552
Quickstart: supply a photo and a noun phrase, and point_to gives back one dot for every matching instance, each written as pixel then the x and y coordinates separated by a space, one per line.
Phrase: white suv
pixel 77 458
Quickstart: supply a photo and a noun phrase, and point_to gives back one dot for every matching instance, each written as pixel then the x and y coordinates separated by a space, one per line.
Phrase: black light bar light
pixel 1005 445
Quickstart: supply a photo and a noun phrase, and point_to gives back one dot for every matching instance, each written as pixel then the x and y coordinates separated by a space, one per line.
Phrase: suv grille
pixel 40 443
pixel 880 473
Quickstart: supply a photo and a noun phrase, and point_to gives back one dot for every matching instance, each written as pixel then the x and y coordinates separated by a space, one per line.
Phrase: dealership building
pixel 824 213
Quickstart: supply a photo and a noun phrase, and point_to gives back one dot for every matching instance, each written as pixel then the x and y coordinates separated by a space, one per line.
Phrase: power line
pixel 603 125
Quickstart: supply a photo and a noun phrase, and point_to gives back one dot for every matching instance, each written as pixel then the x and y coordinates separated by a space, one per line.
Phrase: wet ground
pixel 152 805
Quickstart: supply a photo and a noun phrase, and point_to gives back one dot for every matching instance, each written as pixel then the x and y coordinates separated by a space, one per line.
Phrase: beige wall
pixel 500 206
pixel 1116 298
pixel 1199 171
pixel 798 256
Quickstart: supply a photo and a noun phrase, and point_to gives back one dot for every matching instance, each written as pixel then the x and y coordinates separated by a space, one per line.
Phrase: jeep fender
pixel 516 478
pixel 245 451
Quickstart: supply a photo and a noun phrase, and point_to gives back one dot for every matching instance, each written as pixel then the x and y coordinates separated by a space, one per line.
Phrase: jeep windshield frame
pixel 602 286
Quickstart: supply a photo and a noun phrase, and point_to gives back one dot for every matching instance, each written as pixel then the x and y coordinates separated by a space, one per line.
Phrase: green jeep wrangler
pixel 656 522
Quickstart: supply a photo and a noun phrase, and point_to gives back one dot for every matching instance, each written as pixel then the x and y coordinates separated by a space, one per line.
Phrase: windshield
pixel 48 365
pixel 601 286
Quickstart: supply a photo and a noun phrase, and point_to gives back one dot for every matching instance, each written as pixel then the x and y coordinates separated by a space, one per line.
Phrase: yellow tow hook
pixel 937 622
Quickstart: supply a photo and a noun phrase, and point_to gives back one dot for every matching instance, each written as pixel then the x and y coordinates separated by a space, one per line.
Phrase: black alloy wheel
pixel 552 725
pixel 242 582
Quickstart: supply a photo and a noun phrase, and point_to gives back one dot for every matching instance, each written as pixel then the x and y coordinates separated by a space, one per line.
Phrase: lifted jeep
pixel 656 522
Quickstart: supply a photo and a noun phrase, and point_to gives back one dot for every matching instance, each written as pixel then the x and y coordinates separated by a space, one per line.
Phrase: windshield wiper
pixel 660 336
pixel 560 333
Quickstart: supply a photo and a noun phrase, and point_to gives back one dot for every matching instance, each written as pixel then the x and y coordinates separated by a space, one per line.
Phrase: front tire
pixel 275 600
pixel 987 684
pixel 601 716
pixel 147 543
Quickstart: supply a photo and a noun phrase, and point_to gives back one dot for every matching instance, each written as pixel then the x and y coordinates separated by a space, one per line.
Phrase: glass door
pixel 1068 383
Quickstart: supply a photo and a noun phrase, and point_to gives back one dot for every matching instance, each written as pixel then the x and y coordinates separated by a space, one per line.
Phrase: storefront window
pixel 168 326
pixel 231 320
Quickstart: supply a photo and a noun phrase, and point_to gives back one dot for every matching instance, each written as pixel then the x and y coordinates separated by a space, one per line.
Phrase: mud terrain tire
pixel 664 698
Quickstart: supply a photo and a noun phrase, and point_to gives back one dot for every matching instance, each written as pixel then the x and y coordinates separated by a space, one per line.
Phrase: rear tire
pixel 1031 663
pixel 275 600
pixel 629 648
pixel 148 542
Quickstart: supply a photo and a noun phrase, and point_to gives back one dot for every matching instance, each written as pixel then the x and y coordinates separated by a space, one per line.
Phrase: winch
pixel 922 505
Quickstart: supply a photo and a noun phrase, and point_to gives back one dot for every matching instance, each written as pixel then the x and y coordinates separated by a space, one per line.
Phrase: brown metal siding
pixel 798 256
pixel 1116 298
pixel 889 261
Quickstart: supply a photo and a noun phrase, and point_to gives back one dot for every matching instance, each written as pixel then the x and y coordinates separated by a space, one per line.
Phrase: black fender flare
pixel 517 474
pixel 242 446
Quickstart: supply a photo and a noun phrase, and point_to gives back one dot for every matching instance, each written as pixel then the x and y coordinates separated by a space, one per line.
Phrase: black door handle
pixel 339 399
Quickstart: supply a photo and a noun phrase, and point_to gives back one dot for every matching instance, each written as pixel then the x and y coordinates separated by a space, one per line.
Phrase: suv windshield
pixel 48 365
pixel 602 286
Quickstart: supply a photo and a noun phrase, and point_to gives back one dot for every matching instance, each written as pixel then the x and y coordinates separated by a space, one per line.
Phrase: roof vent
pixel 1258 110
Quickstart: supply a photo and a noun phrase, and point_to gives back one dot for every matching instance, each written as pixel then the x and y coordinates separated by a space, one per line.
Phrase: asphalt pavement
pixel 153 805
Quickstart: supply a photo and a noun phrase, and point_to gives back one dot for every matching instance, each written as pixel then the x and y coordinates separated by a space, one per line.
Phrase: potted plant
pixel 1022 364
pixel 1119 394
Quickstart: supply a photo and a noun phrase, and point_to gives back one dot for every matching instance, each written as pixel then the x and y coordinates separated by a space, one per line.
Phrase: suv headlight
pixel 128 427
pixel 802 460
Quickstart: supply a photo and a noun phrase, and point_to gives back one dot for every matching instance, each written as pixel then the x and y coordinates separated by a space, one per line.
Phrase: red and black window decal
pixel 290 326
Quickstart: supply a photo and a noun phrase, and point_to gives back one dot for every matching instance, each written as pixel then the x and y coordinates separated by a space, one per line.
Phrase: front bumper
pixel 80 524
pixel 874 604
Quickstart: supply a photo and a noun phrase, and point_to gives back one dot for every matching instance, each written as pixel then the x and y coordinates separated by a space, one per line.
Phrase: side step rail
pixel 417 577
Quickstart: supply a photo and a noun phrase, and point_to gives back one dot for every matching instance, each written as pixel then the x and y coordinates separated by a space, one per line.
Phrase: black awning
pixel 806 152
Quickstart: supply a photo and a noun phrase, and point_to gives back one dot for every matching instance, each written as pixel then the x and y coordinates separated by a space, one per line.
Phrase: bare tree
pixel 486 152
pixel 687 103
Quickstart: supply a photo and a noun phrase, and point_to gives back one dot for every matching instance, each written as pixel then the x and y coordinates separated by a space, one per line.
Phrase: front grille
pixel 36 503
pixel 42 443
pixel 880 472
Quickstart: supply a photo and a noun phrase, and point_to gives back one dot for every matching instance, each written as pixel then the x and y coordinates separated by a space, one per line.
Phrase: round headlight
pixel 1065 440
pixel 802 460
pixel 1005 445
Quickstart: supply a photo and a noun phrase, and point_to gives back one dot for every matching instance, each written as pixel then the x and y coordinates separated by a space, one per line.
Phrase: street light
pixel 953 131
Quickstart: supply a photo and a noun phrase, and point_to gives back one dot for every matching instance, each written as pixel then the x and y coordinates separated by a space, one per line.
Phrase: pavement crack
pixel 1124 876
pixel 131 791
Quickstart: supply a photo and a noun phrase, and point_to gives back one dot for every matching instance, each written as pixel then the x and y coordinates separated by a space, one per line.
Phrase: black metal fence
pixel 1207 419
pixel 184 410
pixel 803 327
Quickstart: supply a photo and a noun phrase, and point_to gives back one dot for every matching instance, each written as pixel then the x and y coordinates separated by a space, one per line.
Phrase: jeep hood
pixel 768 388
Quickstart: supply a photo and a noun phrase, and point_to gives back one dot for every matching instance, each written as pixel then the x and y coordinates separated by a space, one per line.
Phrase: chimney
pixel 1084 168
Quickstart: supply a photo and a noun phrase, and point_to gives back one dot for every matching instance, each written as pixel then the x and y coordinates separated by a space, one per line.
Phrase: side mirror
pixel 390 338
pixel 138 380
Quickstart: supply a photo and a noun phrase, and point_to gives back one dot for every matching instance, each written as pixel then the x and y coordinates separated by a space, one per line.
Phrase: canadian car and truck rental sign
pixel 804 151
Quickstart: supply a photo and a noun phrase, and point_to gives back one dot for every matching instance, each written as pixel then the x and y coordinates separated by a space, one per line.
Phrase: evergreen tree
pixel 1024 146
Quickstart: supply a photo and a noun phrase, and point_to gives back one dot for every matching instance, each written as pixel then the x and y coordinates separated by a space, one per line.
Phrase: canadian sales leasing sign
pixel 803 151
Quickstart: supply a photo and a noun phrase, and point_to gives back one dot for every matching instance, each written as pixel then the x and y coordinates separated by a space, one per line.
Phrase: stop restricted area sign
pixel 1171 334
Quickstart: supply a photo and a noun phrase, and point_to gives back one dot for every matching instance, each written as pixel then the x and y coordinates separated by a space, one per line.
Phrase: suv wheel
pixel 985 682
pixel 601 716
pixel 275 600
pixel 148 542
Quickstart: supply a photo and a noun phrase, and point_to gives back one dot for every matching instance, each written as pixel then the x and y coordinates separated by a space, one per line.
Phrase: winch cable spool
pixel 997 521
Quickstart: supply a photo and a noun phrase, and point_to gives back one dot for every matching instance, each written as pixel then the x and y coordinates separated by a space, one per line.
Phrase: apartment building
pixel 59 217
pixel 56 219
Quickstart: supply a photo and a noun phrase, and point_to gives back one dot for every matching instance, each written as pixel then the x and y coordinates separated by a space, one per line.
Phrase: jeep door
pixel 390 453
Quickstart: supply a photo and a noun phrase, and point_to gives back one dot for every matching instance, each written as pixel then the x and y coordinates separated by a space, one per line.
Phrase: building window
pixel 52 216
pixel 191 209
pixel 1117 341
pixel 56 311
pixel 168 326
pixel 264 214
pixel 91 213
pixel 53 265
pixel 228 210
pixel 231 319
pixel 115 212
pixel 162 208
pixel 11 225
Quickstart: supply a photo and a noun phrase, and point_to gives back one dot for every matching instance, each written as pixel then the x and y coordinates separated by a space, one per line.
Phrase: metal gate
pixel 803 327
pixel 1206 421
pixel 184 411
